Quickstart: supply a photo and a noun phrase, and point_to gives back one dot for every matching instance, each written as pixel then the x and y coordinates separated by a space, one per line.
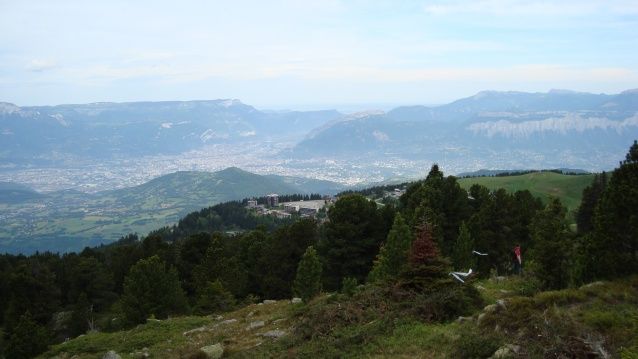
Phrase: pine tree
pixel 463 258
pixel 424 248
pixel 591 197
pixel 81 316
pixel 426 270
pixel 349 286
pixel 550 236
pixel 632 155
pixel 151 289
pixel 308 281
pixel 498 226
pixel 33 289
pixel 393 255
pixel 281 255
pixel 614 244
pixel 442 201
pixel 27 339
pixel 352 239
pixel 213 297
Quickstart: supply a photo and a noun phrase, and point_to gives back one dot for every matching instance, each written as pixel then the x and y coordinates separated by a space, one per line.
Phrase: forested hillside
pixel 391 263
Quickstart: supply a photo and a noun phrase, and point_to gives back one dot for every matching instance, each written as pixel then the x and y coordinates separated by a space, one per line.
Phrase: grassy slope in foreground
pixel 601 315
pixel 568 188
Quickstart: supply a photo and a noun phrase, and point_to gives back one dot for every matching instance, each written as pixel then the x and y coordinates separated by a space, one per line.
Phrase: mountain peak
pixel 8 108
pixel 564 92
pixel 365 114
pixel 488 93
pixel 231 102
pixel 233 170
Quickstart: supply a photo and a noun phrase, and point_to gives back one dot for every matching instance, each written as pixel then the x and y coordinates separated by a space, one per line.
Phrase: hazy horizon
pixel 287 54
pixel 341 107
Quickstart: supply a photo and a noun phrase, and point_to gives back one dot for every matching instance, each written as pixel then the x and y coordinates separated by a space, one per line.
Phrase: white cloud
pixel 312 51
pixel 40 65
pixel 336 71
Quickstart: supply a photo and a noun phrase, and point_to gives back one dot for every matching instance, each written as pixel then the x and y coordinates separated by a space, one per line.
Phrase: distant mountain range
pixel 554 129
pixel 54 134
pixel 493 130
pixel 544 130
pixel 69 220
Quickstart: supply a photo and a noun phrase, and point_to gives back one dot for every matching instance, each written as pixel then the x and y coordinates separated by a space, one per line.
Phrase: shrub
pixel 629 353
pixel 476 344
pixel 214 298
pixel 349 286
pixel 561 297
pixel 529 286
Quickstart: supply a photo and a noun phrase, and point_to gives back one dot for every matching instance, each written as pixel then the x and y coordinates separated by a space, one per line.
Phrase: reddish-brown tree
pixel 424 249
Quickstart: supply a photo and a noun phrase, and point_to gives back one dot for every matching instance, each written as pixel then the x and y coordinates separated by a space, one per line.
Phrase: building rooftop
pixel 314 204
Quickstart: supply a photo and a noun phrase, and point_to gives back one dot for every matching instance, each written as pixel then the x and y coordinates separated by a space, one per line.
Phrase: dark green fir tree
pixel 308 281
pixel 550 251
pixel 393 255
pixel 152 289
pixel 27 340
pixel 463 259
pixel 213 297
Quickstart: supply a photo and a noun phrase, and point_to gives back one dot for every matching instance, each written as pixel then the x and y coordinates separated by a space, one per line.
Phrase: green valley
pixel 71 220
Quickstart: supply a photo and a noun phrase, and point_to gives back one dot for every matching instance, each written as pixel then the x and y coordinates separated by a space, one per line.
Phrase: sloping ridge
pixel 229 184
pixel 11 192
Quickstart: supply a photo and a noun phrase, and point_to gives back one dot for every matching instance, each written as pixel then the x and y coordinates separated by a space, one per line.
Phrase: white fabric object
pixel 458 275
pixel 464 274
pixel 479 253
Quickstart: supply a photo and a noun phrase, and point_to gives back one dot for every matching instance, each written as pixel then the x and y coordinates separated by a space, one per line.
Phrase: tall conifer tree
pixel 308 281
pixel 393 254
pixel 551 248
pixel 152 289
pixel 463 258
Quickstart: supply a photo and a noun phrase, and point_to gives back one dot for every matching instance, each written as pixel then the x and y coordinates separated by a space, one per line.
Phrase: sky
pixel 311 54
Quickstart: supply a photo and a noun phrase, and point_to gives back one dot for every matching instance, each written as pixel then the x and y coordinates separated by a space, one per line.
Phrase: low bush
pixel 339 323
pixel 349 286
pixel 529 286
pixel 475 344
pixel 560 297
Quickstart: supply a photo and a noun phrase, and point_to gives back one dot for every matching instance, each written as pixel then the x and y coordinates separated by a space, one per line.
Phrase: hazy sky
pixel 302 54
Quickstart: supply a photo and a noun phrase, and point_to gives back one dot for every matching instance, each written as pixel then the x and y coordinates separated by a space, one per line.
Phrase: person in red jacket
pixel 518 261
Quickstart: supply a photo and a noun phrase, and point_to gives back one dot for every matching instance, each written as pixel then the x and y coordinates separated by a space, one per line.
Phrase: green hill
pixel 11 192
pixel 197 189
pixel 70 220
pixel 568 188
